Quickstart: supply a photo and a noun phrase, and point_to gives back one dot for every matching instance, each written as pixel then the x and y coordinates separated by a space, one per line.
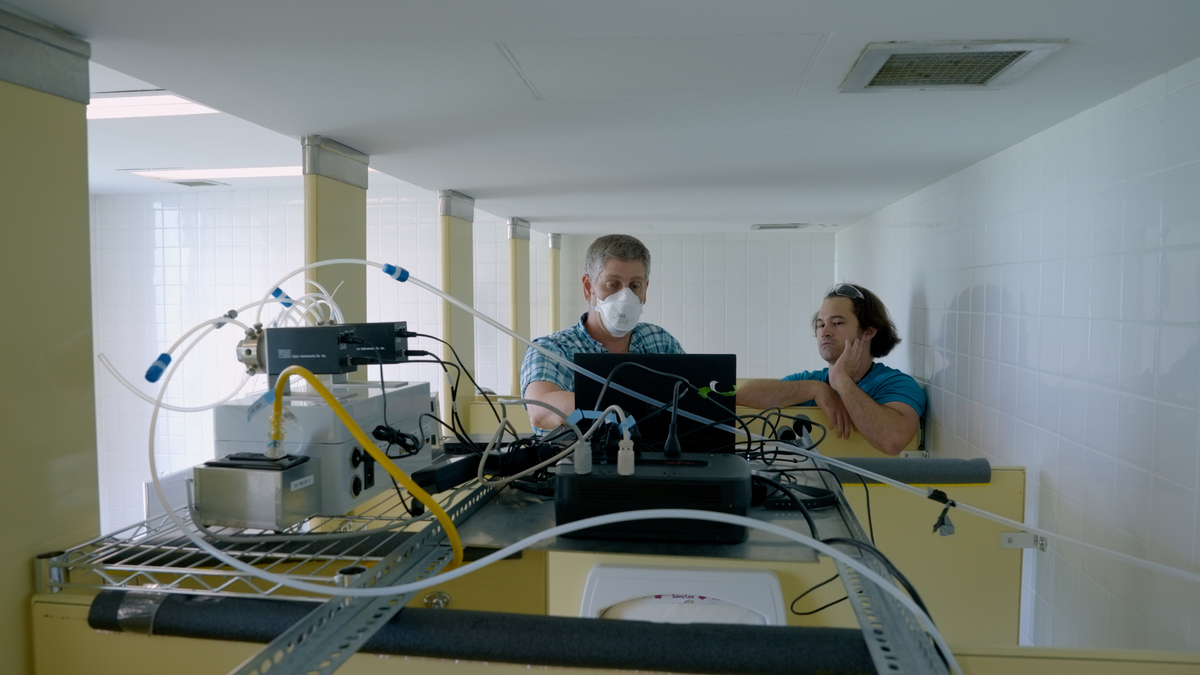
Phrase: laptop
pixel 715 371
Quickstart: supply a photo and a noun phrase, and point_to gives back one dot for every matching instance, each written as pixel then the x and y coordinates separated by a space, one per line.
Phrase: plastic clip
pixel 279 294
pixel 397 273
pixel 156 369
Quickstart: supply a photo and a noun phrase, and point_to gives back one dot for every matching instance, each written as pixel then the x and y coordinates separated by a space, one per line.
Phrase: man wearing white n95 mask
pixel 616 274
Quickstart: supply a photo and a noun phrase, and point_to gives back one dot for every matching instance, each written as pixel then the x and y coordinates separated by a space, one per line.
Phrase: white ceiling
pixel 623 115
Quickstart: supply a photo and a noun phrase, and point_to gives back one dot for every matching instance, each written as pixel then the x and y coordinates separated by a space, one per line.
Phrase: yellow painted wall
pixel 458 327
pixel 335 226
pixel 48 488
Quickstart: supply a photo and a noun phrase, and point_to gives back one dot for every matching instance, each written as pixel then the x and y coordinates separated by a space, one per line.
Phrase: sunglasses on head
pixel 846 291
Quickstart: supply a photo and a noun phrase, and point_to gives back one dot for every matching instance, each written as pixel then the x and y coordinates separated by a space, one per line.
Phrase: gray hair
pixel 619 246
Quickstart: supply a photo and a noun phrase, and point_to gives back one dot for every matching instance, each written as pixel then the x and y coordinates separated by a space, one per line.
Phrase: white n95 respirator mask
pixel 619 312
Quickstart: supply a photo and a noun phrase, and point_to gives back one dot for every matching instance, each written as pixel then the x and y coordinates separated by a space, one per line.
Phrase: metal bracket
pixel 897 642
pixel 1023 540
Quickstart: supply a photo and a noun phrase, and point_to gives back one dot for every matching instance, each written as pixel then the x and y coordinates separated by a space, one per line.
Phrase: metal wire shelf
pixel 155 554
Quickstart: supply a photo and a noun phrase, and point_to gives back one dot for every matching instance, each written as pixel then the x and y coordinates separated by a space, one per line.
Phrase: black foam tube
pixel 942 471
pixel 524 639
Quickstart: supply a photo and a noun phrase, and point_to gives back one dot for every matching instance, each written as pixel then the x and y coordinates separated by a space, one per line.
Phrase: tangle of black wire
pixel 478 388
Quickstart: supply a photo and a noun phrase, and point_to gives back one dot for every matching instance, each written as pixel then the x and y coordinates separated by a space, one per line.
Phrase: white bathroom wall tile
pixel 1180 125
pixel 1106 290
pixel 1139 347
pixel 1139 289
pixel 1175 447
pixel 1178 370
pixel 1109 144
pixel 1142 222
pixel 1077 287
pixel 977 326
pixel 1180 285
pixel 1077 225
pixel 1135 431
pixel 1172 531
pixel 1132 491
pixel 1073 343
pixel 1073 400
pixel 963 331
pixel 1101 429
pixel 1009 339
pixel 1053 287
pixel 1181 204
pixel 1052 399
pixel 1055 342
pixel 978 292
pixel 1104 352
pixel 1054 217
pixel 1147 137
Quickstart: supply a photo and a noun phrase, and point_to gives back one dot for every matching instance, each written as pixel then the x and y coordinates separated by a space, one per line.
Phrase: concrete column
pixel 335 220
pixel 50 488
pixel 518 294
pixel 555 285
pixel 456 219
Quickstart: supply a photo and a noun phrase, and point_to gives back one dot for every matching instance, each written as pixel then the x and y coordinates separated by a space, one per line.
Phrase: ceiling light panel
pixel 162 105
pixel 218 174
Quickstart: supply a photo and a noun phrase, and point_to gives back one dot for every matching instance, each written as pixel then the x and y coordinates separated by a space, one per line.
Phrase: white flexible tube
pixel 210 324
pixel 298 270
pixel 142 395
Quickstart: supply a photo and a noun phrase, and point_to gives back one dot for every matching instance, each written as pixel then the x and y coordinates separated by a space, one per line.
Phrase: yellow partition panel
pixel 971 586
pixel 49 488
pixel 483 421
pixel 855 446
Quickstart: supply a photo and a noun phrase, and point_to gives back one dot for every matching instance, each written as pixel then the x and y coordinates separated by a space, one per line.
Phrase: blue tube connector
pixel 157 368
pixel 278 293
pixel 397 273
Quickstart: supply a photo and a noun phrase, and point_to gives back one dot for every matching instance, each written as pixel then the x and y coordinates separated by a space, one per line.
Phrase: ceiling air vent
pixel 779 226
pixel 888 66
pixel 198 183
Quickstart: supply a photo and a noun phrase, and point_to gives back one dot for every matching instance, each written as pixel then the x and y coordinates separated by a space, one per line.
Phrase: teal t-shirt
pixel 881 383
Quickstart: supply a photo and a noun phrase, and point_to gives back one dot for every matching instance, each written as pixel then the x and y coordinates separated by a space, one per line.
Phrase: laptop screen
pixel 717 371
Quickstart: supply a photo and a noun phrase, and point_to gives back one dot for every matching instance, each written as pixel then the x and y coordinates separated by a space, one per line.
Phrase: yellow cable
pixel 401 478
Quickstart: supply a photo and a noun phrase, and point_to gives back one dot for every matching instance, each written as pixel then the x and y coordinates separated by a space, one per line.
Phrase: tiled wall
pixel 160 265
pixel 402 229
pixel 492 348
pixel 163 263
pixel 1051 296
pixel 722 293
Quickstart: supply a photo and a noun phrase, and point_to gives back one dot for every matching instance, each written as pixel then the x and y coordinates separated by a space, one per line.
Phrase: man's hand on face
pixel 852 364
